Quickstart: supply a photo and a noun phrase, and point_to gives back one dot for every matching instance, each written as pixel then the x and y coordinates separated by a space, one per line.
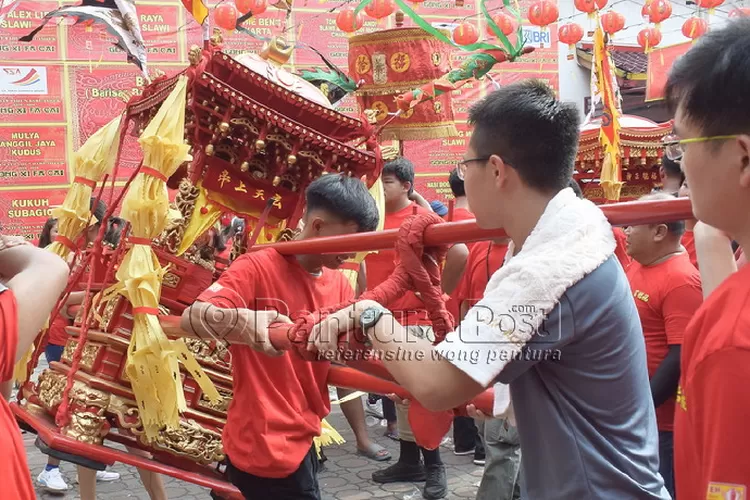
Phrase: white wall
pixel 575 81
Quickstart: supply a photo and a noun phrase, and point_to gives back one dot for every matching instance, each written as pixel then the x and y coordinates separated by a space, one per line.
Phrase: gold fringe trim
pixel 395 35
pixel 419 133
pixel 328 436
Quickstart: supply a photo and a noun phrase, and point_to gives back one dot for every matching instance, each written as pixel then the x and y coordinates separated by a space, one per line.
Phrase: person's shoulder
pixel 603 299
pixel 261 257
pixel 682 272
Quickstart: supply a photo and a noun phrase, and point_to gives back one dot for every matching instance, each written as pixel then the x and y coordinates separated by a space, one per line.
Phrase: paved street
pixel 346 475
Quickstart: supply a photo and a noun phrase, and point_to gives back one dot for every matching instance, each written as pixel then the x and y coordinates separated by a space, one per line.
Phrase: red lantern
pixel 349 22
pixel 590 6
pixel 570 33
pixel 612 22
pixel 648 38
pixel 659 10
pixel 543 13
pixel 645 9
pixel 505 22
pixel 740 12
pixel 709 4
pixel 694 28
pixel 380 9
pixel 226 15
pixel 465 34
pixel 257 7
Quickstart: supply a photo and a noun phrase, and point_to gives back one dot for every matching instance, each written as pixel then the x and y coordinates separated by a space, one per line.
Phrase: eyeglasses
pixel 462 165
pixel 674 146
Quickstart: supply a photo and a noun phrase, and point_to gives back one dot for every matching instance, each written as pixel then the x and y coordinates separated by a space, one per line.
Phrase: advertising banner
pixel 26 16
pixel 33 156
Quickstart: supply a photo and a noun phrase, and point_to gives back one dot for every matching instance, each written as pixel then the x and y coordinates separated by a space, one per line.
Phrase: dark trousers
pixel 466 435
pixel 53 352
pixel 666 460
pixel 302 484
pixel 389 410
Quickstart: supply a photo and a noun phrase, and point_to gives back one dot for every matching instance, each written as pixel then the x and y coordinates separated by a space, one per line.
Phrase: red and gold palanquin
pixel 259 136
pixel 642 152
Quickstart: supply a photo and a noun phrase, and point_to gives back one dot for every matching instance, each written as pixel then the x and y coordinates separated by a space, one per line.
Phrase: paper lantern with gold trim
pixel 694 28
pixel 505 22
pixel 465 34
pixel 648 38
pixel 391 62
pixel 349 22
pixel 380 9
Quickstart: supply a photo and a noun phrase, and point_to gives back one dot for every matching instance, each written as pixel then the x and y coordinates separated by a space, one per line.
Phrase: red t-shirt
pixel 460 214
pixel 485 258
pixel 688 241
pixel 57 334
pixel 14 472
pixel 666 295
pixel 620 250
pixel 278 402
pixel 409 309
pixel 711 432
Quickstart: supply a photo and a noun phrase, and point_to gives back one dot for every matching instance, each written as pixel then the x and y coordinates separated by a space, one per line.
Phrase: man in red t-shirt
pixel 279 398
pixel 31 280
pixel 461 210
pixel 398 184
pixel 667 292
pixel 708 89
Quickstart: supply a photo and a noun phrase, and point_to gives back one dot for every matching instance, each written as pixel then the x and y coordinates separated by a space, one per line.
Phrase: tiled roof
pixel 627 61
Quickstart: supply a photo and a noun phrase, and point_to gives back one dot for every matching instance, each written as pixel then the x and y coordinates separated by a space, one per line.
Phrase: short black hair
pixel 345 197
pixel 99 210
pixel 531 130
pixel 45 239
pixel 677 228
pixel 457 185
pixel 710 82
pixel 672 169
pixel 573 184
pixel 402 168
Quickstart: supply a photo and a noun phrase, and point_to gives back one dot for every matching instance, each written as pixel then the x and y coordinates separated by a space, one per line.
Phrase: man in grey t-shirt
pixel 585 416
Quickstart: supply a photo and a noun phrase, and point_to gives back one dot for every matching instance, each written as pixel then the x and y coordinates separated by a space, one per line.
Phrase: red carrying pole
pixel 619 214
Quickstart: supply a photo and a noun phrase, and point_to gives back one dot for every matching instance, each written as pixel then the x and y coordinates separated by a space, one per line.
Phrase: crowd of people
pixel 643 394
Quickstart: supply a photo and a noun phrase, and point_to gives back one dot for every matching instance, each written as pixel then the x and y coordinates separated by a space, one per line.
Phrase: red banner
pixel 98 97
pixel 19 22
pixel 159 26
pixel 32 156
pixel 23 213
pixel 660 61
pixel 438 155
pixel 31 93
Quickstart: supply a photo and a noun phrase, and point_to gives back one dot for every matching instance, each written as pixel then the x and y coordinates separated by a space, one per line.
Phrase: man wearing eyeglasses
pixel 708 89
pixel 586 420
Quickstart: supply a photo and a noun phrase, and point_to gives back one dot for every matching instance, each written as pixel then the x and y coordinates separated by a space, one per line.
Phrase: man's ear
pixel 316 225
pixel 744 143
pixel 662 173
pixel 500 170
pixel 407 186
pixel 660 232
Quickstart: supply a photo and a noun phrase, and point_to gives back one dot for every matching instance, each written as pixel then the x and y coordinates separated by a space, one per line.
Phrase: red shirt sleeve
pixel 8 333
pixel 678 308
pixel 620 251
pixel 719 406
pixel 235 289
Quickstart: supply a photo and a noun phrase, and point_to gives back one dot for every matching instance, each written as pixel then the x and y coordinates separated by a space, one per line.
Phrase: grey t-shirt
pixel 585 416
